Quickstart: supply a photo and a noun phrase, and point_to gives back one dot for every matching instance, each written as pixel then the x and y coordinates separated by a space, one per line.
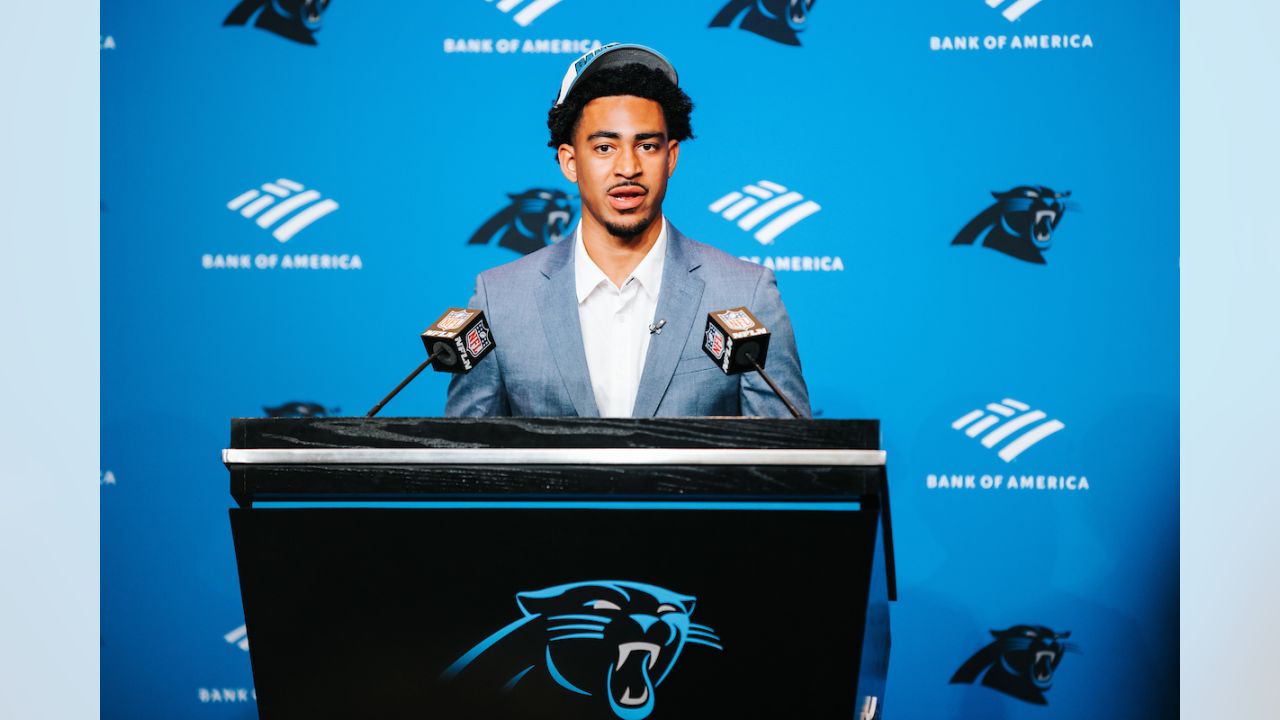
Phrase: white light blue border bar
pixel 49 372
pixel 1230 352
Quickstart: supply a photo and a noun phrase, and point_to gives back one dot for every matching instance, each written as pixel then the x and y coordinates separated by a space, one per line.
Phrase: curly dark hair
pixel 631 79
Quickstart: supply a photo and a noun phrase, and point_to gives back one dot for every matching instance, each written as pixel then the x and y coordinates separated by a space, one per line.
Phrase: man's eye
pixel 649 146
pixel 604 149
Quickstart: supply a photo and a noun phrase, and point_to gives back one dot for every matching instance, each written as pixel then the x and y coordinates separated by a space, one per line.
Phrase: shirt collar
pixel 588 276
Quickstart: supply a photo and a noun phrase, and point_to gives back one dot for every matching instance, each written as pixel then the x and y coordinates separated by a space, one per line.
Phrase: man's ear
pixel 673 155
pixel 568 163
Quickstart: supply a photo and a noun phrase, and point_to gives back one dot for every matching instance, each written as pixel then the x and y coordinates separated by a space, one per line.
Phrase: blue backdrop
pixel 288 201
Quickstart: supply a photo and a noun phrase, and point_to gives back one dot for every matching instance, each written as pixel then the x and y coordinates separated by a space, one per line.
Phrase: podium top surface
pixel 553 433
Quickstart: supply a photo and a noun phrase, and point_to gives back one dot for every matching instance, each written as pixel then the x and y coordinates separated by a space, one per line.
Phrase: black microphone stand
pixel 751 358
pixel 439 351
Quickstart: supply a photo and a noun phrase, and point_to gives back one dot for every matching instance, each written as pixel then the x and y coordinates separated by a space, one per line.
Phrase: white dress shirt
pixel 615 323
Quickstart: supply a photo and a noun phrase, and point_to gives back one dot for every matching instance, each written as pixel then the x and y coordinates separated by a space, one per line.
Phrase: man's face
pixel 621 160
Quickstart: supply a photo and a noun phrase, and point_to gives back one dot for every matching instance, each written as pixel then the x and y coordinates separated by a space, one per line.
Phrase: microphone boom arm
pixel 772 385
pixel 406 381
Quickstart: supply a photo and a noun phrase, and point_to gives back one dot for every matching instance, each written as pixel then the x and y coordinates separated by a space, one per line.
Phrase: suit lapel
pixel 559 302
pixel 678 304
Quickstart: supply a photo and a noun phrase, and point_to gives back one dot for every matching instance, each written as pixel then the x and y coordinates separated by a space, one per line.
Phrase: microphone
pixel 737 341
pixel 455 343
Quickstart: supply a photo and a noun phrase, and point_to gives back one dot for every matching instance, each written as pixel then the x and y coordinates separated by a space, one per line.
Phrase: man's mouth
pixel 630 674
pixel 627 197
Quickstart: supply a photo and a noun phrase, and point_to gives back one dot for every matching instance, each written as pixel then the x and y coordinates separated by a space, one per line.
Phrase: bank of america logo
pixel 1008 420
pixel 238 637
pixel 282 200
pixel 1015 9
pixel 765 201
pixel 528 11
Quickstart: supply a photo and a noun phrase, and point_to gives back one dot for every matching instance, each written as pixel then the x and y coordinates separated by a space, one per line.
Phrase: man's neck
pixel 618 256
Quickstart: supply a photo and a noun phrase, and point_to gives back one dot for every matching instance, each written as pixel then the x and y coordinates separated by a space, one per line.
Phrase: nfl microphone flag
pixel 733 336
pixel 458 340
pixel 455 343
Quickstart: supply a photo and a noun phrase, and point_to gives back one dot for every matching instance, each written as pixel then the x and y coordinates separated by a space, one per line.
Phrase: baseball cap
pixel 613 55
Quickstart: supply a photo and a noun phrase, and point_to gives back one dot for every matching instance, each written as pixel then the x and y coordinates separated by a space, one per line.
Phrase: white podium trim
pixel 551 456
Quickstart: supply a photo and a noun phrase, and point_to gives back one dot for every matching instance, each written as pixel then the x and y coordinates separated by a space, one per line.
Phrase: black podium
pixel 563 567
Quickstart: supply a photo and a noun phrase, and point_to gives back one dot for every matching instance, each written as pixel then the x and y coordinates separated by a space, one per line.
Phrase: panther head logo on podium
pixel 1019 224
pixel 297 20
pixel 611 641
pixel 300 409
pixel 1020 662
pixel 535 218
pixel 778 20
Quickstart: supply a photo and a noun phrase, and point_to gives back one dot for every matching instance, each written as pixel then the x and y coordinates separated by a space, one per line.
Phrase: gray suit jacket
pixel 539 366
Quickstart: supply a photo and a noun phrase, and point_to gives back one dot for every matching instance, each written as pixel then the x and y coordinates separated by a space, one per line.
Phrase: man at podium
pixel 610 323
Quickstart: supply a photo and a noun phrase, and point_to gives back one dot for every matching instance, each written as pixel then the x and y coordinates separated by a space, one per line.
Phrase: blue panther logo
pixel 614 640
pixel 299 409
pixel 1019 663
pixel 297 20
pixel 1020 223
pixel 535 218
pixel 778 20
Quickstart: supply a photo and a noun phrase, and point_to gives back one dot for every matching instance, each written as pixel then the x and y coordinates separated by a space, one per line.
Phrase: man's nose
pixel 628 163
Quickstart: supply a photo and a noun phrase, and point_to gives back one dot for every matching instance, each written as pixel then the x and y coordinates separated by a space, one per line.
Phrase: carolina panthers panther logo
pixel 534 219
pixel 1020 223
pixel 299 409
pixel 297 20
pixel 612 641
pixel 1020 662
pixel 778 20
